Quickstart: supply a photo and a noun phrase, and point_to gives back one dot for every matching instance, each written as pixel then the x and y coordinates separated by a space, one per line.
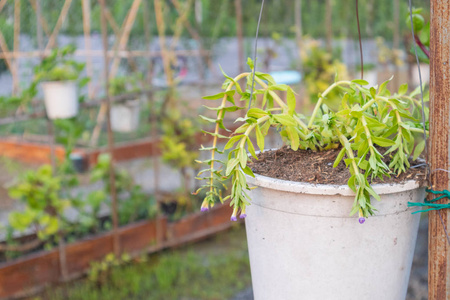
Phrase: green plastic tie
pixel 430 204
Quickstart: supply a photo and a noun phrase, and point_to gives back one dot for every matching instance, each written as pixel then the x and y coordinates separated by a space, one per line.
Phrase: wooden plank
pixel 439 221
pixel 32 272
pixel 139 236
pixel 28 272
pixel 197 222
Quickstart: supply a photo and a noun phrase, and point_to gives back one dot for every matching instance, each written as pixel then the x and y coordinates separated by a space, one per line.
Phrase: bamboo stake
pixel 120 45
pixel 112 179
pixel 15 73
pixel 61 19
pixel 439 221
pixel 196 36
pixel 162 42
pixel 153 122
pixel 41 19
pixel 179 25
pixel 126 30
pixel 240 35
pixel 86 6
pixel 2 4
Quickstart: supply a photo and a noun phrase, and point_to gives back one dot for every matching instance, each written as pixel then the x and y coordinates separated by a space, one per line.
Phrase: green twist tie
pixel 430 204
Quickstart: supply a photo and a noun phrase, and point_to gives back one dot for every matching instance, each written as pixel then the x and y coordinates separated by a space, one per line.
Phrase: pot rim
pixel 327 189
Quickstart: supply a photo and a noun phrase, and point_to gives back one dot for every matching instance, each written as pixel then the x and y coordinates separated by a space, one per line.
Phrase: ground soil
pixel 317 167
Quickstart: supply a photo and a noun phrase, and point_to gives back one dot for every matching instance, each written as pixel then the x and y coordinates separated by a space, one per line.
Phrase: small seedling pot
pixel 304 245
pixel 61 100
pixel 79 162
pixel 125 116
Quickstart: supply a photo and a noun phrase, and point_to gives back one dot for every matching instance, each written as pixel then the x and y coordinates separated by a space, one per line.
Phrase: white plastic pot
pixel 61 100
pixel 125 117
pixel 304 245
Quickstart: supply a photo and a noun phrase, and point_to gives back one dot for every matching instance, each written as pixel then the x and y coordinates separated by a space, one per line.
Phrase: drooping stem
pixel 319 102
pixel 216 131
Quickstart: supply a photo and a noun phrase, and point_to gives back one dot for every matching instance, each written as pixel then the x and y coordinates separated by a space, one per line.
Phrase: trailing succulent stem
pixel 371 124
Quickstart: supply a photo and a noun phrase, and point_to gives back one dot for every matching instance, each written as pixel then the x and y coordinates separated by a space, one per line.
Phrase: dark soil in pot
pixel 317 167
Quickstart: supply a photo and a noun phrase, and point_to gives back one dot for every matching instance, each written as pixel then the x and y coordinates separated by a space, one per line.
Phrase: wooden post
pixel 112 178
pixel 240 35
pixel 438 246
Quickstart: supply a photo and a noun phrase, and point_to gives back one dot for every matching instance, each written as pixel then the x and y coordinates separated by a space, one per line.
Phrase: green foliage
pixel 133 203
pixel 369 119
pixel 124 84
pixel 319 69
pixel 226 271
pixel 40 191
pixel 421 30
pixel 99 270
pixel 58 67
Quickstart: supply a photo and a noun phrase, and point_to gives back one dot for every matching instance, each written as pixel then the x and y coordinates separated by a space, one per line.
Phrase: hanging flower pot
pixel 61 100
pixel 60 78
pixel 125 116
pixel 304 245
pixel 306 241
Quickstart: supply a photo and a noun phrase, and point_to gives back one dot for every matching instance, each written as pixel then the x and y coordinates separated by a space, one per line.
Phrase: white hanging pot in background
pixel 304 245
pixel 61 100
pixel 125 116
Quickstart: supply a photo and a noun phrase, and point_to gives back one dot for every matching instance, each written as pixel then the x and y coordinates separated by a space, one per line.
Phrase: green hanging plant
pixel 369 118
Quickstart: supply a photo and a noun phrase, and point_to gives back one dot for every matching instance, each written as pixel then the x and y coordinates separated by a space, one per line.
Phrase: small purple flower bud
pixel 233 218
pixel 242 216
pixel 362 220
pixel 204 209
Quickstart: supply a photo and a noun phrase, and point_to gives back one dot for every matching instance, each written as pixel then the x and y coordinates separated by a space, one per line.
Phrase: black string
pixel 254 56
pixel 360 44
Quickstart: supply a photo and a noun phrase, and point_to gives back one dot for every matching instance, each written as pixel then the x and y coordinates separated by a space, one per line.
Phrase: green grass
pixel 214 269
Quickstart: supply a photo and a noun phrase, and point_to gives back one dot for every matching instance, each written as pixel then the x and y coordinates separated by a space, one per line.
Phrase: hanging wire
pixel 254 55
pixel 360 44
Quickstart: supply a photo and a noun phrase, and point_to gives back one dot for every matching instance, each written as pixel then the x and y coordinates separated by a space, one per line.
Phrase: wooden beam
pixel 61 19
pixel 439 221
